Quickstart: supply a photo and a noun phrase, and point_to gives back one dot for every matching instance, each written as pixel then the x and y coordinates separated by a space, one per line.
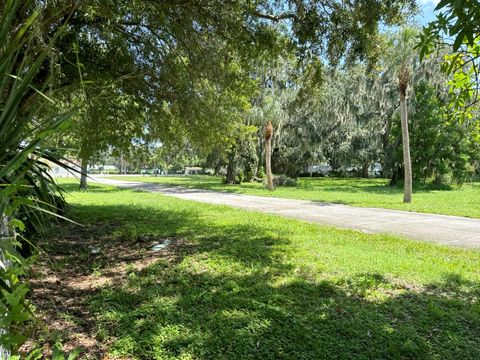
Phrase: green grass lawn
pixel 243 285
pixel 463 201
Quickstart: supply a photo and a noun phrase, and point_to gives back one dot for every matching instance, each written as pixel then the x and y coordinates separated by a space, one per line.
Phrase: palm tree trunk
pixel 268 155
pixel 407 163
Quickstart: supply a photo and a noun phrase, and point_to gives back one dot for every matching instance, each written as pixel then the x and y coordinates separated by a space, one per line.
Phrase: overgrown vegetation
pixel 443 150
pixel 348 128
pixel 28 195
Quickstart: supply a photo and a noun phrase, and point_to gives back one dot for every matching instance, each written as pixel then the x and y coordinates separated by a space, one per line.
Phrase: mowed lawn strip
pixel 244 285
pixel 459 201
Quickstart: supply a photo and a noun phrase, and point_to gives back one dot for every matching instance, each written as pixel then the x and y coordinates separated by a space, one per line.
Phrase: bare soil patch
pixel 74 266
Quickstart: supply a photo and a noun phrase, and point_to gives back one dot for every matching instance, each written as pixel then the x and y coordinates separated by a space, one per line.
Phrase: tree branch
pixel 275 18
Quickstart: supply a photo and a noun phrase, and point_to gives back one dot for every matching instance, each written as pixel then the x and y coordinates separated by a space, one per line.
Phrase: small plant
pixel 261 174
pixel 57 354
pixel 128 232
pixel 239 178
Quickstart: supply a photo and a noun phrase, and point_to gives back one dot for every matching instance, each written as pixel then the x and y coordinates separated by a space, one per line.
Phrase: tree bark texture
pixel 407 163
pixel 83 175
pixel 230 173
pixel 365 170
pixel 268 155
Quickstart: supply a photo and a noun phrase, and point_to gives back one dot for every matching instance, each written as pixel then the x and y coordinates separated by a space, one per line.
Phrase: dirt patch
pixel 69 273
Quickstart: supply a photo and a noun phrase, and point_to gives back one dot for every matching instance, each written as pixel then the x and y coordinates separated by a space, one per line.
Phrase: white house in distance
pixel 60 172
pixel 193 170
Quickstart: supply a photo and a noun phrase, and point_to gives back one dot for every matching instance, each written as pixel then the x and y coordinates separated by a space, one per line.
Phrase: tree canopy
pixel 187 65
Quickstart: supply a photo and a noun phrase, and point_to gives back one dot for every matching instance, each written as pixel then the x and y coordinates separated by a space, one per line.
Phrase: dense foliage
pixel 442 149
pixel 349 121
pixel 457 27
pixel 28 195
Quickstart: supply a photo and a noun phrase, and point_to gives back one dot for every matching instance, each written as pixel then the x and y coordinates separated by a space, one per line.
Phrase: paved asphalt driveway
pixel 441 229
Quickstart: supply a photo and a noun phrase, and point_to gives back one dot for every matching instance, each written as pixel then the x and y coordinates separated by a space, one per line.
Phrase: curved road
pixel 441 229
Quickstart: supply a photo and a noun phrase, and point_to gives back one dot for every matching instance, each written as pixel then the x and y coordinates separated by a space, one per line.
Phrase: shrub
pixel 261 173
pixel 284 180
pixel 28 193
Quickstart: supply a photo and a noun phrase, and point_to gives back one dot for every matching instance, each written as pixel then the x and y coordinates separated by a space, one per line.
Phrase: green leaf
pixel 16 223
pixel 74 354
pixel 458 41
pixel 442 4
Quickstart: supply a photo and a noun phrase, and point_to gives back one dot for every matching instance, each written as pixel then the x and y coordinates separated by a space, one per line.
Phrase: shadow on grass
pixel 387 189
pixel 230 292
pixel 237 317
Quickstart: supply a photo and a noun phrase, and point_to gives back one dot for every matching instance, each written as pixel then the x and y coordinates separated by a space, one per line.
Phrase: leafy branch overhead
pixel 457 27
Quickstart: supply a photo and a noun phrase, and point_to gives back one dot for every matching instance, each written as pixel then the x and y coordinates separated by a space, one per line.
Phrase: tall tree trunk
pixel 123 165
pixel 390 167
pixel 83 175
pixel 230 174
pixel 386 145
pixel 268 155
pixel 403 79
pixel 231 166
pixel 396 173
pixel 365 170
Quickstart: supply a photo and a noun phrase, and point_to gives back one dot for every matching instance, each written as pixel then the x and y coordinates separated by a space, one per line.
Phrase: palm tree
pixel 403 78
pixel 268 154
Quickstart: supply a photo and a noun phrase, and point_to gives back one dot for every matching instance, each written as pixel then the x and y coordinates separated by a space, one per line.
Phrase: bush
pixel 284 180
pixel 261 173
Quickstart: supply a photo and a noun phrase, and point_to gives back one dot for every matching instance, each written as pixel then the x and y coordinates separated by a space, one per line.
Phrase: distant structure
pixel 323 169
pixel 57 171
pixel 193 170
